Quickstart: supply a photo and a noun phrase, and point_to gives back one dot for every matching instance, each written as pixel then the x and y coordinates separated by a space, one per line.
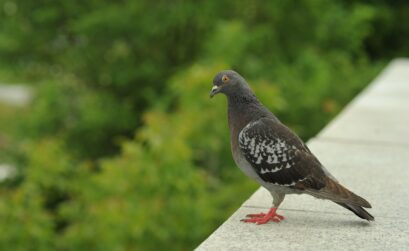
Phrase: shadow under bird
pixel 274 156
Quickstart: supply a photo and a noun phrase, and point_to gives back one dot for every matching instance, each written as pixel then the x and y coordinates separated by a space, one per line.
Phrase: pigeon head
pixel 230 83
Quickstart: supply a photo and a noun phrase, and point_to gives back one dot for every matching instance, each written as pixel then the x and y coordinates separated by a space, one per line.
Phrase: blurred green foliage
pixel 121 149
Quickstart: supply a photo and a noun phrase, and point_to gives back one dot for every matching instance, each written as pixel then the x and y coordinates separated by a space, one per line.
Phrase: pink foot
pixel 263 218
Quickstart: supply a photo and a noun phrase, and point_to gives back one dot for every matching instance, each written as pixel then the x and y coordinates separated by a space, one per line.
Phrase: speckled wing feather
pixel 279 157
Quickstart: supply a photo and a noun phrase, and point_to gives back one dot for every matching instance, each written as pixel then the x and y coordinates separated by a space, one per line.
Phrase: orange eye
pixel 225 78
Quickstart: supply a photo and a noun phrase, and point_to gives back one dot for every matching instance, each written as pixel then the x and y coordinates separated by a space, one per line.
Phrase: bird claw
pixel 262 218
pixel 255 215
pixel 280 216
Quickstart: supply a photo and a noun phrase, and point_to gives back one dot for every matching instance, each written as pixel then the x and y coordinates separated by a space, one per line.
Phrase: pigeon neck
pixel 242 109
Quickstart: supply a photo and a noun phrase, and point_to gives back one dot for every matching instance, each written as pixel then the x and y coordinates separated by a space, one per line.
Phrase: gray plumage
pixel 274 156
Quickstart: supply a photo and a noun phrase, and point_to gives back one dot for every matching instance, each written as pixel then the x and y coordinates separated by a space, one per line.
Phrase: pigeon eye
pixel 225 78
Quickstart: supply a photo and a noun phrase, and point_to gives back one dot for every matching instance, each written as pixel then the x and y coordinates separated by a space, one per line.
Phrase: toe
pixel 276 219
pixel 249 220
pixel 280 216
pixel 255 215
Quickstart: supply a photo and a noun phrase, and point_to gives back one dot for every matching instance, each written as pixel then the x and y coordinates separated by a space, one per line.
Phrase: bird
pixel 274 156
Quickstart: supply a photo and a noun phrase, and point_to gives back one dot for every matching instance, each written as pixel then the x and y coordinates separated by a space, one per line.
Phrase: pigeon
pixel 274 156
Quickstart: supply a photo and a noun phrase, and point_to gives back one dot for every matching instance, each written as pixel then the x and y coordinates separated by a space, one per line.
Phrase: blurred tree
pixel 30 213
pixel 116 56
pixel 120 51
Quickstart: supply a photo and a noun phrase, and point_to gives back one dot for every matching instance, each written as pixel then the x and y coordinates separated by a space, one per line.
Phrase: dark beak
pixel 214 91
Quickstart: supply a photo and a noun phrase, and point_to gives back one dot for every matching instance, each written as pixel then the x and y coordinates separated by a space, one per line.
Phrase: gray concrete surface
pixel 367 148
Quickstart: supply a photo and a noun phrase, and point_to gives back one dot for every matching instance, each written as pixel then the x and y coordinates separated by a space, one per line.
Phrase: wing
pixel 279 156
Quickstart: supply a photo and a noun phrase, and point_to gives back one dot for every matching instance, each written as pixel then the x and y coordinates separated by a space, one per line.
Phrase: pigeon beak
pixel 214 91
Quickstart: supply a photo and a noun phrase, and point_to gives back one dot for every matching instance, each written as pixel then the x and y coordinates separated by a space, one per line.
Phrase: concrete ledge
pixel 380 113
pixel 367 148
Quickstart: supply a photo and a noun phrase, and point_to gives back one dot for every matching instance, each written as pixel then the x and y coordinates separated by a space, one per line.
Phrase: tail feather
pixel 359 211
pixel 339 194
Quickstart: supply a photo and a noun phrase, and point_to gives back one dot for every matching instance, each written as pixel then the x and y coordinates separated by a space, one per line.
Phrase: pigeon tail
pixel 339 194
pixel 359 211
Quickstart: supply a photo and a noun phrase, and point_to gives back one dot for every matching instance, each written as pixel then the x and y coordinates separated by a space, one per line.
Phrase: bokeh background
pixel 120 147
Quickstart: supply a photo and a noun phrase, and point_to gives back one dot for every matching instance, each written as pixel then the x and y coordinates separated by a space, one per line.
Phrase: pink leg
pixel 263 218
